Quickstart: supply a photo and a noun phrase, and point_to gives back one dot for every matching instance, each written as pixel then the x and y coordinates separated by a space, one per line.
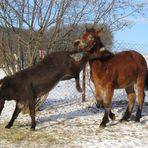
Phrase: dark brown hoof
pixel 79 89
pixel 8 126
pixel 102 125
pixel 32 128
pixel 137 119
pixel 124 120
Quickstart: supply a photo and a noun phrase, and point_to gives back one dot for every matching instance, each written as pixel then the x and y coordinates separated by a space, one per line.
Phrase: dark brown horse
pixel 27 85
pixel 115 71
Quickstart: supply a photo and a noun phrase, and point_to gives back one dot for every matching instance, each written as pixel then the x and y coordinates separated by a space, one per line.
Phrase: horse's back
pixel 128 66
pixel 130 57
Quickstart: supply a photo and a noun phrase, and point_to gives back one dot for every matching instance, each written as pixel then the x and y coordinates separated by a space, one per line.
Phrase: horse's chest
pixel 97 76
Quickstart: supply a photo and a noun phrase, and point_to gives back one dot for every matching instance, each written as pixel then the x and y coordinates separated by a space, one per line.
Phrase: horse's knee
pixel 99 98
pixel 106 103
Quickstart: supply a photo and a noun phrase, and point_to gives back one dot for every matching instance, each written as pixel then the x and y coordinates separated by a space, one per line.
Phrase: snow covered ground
pixel 67 122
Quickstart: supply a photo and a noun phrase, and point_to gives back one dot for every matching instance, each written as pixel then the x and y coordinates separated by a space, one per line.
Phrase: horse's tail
pixel 146 81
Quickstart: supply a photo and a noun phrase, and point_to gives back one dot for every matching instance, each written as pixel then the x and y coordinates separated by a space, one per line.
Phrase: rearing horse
pixel 114 71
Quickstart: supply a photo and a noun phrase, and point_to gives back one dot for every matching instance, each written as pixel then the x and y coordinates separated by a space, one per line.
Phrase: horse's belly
pixel 125 82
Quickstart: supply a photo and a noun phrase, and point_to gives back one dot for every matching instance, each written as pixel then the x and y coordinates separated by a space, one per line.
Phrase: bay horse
pixel 27 85
pixel 114 71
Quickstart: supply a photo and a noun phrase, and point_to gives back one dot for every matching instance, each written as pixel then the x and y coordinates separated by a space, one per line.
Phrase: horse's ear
pixel 99 31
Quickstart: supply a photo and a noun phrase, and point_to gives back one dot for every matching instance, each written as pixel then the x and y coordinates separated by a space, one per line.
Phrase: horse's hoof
pixel 79 89
pixel 137 119
pixel 102 125
pixel 8 126
pixel 124 120
pixel 32 128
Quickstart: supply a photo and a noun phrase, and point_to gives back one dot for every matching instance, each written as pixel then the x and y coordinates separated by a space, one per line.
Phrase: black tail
pixel 146 81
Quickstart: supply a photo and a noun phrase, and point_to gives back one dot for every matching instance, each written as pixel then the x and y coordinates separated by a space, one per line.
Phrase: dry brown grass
pixel 17 136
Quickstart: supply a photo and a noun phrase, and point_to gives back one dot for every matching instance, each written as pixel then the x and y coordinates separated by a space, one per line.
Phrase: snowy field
pixel 66 122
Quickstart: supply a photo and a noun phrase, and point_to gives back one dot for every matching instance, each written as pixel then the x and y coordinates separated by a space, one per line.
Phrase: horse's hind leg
pixel 131 100
pixel 77 81
pixel 141 96
pixel 14 116
pixel 32 114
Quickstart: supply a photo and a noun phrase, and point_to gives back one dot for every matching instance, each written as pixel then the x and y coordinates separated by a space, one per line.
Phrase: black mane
pixel 90 30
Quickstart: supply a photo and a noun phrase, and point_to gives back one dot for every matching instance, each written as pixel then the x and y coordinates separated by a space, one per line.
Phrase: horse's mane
pixel 92 29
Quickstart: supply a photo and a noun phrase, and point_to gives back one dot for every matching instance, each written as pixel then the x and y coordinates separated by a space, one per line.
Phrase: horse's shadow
pixel 87 111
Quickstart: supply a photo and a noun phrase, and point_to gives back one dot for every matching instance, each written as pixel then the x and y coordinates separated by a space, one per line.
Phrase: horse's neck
pixel 98 64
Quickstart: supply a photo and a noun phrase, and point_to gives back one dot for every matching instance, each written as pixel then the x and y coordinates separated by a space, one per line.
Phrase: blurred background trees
pixel 30 27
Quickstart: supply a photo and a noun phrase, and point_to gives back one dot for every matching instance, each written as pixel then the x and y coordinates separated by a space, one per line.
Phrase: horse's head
pixel 89 40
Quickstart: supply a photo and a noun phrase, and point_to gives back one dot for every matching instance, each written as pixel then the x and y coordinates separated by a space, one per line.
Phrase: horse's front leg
pixel 14 116
pixel 99 95
pixel 107 105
